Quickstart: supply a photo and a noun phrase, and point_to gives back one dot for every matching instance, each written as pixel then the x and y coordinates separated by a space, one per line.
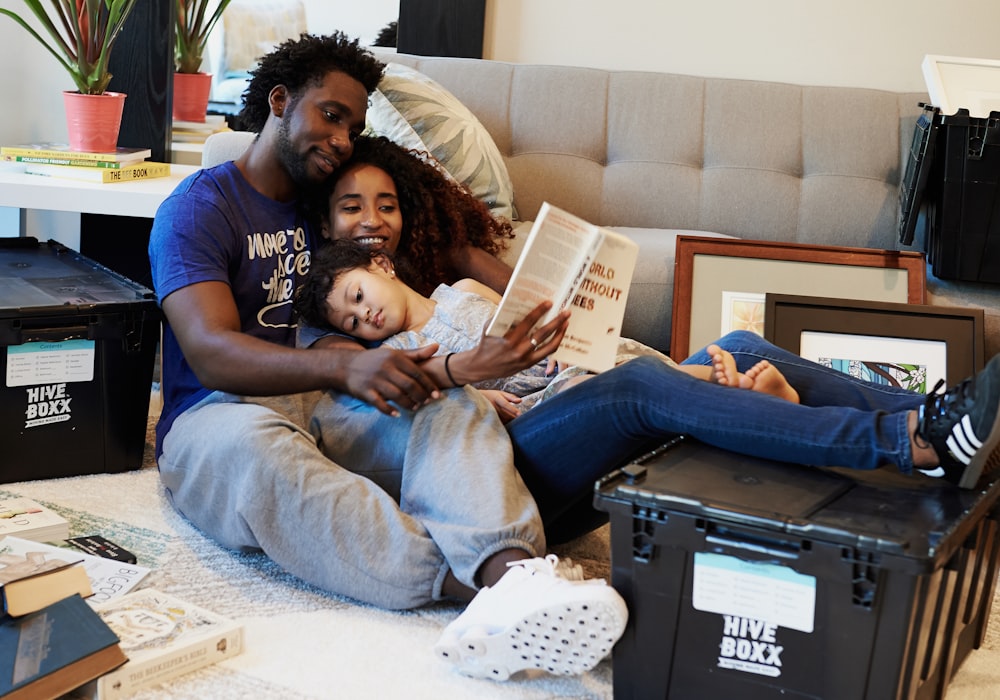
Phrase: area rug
pixel 302 642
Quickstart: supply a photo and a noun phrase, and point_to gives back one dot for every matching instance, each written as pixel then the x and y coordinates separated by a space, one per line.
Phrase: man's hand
pixel 383 376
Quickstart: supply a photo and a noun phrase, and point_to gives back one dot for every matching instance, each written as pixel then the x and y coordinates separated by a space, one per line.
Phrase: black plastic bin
pixel 952 176
pixel 77 347
pixel 753 579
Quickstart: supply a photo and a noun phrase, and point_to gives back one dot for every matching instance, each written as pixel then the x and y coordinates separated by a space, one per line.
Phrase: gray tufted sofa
pixel 657 154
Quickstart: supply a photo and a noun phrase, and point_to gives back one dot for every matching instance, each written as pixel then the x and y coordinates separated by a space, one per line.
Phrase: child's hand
pixel 505 404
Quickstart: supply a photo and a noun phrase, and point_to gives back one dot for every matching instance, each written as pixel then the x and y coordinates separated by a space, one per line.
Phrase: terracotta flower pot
pixel 191 96
pixel 93 120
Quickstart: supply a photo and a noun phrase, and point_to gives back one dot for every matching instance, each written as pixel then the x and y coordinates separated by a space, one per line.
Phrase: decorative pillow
pixel 416 112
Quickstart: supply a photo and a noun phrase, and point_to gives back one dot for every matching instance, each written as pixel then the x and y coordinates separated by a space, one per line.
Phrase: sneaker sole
pixel 562 639
pixel 986 459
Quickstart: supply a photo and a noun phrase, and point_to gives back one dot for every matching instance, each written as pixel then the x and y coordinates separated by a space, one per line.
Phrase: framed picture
pixel 909 345
pixel 719 283
pixel 954 82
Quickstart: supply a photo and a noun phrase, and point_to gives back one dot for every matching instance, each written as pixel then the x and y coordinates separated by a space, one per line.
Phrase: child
pixel 354 290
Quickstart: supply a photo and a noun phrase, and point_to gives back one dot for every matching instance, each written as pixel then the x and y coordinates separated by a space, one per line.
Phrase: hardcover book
pixel 30 520
pixel 55 650
pixel 108 578
pixel 579 266
pixel 31 582
pixel 145 170
pixel 62 150
pixel 164 637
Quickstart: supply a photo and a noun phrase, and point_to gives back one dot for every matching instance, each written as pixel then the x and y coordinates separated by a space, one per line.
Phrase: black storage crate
pixel 753 579
pixel 78 345
pixel 952 176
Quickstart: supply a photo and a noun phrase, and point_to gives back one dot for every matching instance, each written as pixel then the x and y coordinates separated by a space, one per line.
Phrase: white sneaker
pixel 541 614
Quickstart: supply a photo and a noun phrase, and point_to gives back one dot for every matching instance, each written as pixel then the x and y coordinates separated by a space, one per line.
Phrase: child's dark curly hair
pixel 329 261
pixel 439 214
pixel 300 63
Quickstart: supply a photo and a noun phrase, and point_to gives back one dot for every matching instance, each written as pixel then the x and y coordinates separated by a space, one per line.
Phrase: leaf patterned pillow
pixel 416 112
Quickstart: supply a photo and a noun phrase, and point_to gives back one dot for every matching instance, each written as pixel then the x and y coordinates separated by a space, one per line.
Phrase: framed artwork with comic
pixel 908 345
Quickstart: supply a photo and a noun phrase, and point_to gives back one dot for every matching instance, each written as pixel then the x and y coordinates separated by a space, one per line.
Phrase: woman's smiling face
pixel 364 207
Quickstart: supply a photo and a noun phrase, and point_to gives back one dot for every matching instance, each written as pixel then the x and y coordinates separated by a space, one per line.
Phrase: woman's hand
pixel 519 348
pixel 505 403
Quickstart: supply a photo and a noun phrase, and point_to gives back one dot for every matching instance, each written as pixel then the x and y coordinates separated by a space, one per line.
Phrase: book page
pixel 598 307
pixel 551 267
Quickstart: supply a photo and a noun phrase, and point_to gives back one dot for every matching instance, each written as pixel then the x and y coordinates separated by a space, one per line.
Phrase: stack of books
pixel 59 160
pixel 31 520
pixel 197 132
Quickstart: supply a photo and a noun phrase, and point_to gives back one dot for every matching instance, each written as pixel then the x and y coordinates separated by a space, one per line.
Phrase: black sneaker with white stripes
pixel 962 424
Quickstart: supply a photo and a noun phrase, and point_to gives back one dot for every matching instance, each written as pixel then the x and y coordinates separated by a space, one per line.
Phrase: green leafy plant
pixel 81 35
pixel 194 24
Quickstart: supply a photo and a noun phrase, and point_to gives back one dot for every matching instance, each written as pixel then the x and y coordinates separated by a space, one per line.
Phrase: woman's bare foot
pixel 766 378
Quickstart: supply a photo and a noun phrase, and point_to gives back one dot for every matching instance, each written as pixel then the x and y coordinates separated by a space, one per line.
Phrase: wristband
pixel 447 371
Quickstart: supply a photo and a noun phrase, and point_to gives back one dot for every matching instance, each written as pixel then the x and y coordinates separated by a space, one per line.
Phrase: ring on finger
pixel 534 343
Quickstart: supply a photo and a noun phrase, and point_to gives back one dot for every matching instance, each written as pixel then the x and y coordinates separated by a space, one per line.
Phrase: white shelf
pixel 135 198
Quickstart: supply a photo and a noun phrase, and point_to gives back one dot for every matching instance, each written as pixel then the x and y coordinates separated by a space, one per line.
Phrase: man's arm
pixel 205 320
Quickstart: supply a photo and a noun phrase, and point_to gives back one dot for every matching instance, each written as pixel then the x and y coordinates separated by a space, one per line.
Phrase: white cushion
pixel 416 112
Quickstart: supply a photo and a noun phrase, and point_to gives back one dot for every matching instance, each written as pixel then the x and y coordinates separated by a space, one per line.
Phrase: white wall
pixel 33 111
pixel 356 18
pixel 858 43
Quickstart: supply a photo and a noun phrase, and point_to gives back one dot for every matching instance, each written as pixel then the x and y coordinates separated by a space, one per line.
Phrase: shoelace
pixel 939 405
pixel 552 565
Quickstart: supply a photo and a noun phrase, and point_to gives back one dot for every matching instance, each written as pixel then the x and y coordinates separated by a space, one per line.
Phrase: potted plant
pixel 195 21
pixel 81 34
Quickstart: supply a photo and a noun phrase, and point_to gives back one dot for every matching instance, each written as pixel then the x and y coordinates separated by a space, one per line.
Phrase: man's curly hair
pixel 301 63
pixel 439 215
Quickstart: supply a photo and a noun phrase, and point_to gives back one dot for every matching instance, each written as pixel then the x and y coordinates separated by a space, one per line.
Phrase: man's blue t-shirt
pixel 216 227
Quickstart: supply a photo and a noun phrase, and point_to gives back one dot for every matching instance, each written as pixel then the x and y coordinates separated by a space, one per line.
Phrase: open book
pixel 579 266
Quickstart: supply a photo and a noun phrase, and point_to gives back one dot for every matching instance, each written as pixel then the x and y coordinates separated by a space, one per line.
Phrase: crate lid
pixel 36 275
pixel 880 510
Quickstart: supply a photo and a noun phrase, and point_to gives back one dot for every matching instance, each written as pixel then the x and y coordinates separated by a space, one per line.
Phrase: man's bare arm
pixel 205 320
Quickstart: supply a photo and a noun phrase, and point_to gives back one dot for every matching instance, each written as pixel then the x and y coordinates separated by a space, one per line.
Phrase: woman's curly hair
pixel 439 215
pixel 303 62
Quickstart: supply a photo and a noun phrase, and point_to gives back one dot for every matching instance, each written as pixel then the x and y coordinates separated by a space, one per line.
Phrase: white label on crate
pixel 50 362
pixel 754 590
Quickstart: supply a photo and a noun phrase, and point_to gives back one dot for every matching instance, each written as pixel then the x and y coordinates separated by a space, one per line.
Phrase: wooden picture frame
pixel 945 342
pixel 707 270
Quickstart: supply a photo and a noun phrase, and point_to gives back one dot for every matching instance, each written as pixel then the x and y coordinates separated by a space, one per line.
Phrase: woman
pixel 435 229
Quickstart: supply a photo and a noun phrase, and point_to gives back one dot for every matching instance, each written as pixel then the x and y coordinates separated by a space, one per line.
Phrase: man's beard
pixel 292 161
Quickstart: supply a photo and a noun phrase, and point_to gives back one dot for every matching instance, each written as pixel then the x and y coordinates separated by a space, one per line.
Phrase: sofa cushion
pixel 418 113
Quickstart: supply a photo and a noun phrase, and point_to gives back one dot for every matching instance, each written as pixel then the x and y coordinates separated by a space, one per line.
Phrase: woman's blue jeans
pixel 563 445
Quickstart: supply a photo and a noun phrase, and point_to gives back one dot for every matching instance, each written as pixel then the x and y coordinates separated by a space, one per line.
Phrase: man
pixel 433 508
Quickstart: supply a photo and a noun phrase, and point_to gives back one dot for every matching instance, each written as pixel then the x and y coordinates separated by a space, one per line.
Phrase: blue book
pixel 51 652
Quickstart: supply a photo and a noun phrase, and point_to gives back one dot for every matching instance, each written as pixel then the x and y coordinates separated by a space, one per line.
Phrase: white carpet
pixel 304 643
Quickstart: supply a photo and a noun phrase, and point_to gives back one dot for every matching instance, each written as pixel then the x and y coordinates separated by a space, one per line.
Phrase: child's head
pixel 354 290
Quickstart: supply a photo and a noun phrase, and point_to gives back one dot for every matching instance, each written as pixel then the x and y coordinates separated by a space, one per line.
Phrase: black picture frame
pixel 961 329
